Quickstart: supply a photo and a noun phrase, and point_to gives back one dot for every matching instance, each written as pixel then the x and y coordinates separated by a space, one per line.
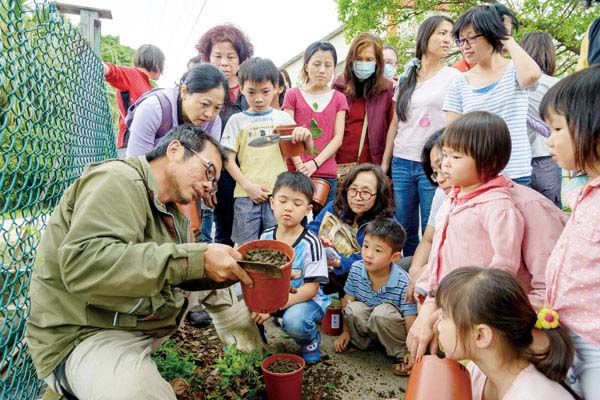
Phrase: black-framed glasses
pixel 210 169
pixel 471 40
pixel 364 194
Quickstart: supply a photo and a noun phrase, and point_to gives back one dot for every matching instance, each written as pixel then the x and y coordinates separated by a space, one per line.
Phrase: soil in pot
pixel 283 366
pixel 274 257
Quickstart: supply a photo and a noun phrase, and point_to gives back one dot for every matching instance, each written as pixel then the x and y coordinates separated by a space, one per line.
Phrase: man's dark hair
pixel 258 69
pixel 149 57
pixel 296 181
pixel 191 137
pixel 388 230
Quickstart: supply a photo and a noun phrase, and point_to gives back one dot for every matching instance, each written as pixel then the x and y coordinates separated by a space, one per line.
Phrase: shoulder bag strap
pixel 362 137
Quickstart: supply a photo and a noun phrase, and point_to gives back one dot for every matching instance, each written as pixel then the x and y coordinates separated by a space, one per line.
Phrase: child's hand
pixel 300 134
pixel 409 294
pixel 308 168
pixel 342 342
pixel 257 193
pixel 260 318
pixel 326 241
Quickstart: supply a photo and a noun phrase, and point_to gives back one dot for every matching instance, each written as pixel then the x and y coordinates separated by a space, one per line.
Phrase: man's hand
pixel 260 318
pixel 210 200
pixel 342 342
pixel 220 264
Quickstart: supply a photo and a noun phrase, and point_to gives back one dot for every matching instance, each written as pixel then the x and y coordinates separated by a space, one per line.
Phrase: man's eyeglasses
pixel 365 195
pixel 210 169
pixel 471 40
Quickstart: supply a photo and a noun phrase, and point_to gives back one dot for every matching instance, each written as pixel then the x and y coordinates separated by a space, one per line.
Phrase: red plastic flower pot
pixel 319 199
pixel 191 212
pixel 451 380
pixel 289 149
pixel 332 323
pixel 286 386
pixel 268 294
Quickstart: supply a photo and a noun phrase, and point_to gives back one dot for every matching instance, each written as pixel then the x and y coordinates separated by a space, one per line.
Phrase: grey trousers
pixel 384 323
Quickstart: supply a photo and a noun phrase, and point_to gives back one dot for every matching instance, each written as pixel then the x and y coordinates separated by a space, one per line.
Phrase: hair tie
pixel 412 63
pixel 546 319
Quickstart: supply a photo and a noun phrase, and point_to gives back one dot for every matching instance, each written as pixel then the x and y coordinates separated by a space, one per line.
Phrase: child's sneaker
pixel 312 351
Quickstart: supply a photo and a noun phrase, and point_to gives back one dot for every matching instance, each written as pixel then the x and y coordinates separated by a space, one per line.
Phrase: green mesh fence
pixel 54 119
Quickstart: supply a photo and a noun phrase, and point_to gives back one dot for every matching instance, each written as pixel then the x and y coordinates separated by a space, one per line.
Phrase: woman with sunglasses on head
pixel 362 196
pixel 495 84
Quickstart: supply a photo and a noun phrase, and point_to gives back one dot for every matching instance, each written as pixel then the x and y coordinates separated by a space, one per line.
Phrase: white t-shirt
pixel 425 115
pixel 530 384
pixel 438 199
pixel 507 99
pixel 319 101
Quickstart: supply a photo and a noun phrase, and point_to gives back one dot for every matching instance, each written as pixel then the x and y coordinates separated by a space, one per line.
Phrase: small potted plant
pixel 289 149
pixel 283 376
pixel 268 294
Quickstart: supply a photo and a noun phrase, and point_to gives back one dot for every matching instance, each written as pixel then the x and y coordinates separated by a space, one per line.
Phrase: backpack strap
pixel 166 123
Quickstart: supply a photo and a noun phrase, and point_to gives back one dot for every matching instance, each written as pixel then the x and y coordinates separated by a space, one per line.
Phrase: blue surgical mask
pixel 363 69
pixel 389 71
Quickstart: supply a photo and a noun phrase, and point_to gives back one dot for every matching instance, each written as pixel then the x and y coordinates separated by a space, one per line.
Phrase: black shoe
pixel 199 319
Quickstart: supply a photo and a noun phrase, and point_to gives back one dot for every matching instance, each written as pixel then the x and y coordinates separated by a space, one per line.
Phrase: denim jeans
pixel 300 321
pixel 584 375
pixel 250 220
pixel 546 178
pixel 524 180
pixel 207 223
pixel 412 192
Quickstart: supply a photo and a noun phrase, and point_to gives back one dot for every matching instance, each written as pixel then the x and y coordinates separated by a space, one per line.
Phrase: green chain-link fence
pixel 54 119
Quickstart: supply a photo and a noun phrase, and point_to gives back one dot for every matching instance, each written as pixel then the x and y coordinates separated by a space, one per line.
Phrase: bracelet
pixel 316 163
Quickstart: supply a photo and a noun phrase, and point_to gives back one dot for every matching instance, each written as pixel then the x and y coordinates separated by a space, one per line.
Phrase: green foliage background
pixel 565 20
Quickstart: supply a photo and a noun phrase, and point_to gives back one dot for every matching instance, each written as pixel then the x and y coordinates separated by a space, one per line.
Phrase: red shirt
pixel 126 79
pixel 352 132
pixel 462 65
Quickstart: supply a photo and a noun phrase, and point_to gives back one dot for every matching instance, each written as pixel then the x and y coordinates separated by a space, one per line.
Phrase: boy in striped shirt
pixel 374 306
pixel 291 202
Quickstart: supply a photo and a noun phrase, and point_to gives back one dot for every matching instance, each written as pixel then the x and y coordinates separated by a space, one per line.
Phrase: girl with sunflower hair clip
pixel 484 316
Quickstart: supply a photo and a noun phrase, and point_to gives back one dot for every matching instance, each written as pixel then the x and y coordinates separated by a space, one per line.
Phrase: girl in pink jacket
pixel 478 224
pixel 571 109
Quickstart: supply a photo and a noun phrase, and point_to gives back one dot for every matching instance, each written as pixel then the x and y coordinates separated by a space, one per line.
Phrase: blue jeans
pixel 584 375
pixel 546 178
pixel 300 321
pixel 207 223
pixel 333 189
pixel 524 180
pixel 412 191
pixel 250 220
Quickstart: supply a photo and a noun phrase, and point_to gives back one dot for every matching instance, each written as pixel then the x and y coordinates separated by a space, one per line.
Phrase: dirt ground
pixel 356 376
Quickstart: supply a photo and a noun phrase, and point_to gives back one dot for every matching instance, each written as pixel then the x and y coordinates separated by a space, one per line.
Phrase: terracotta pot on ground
pixel 435 378
pixel 319 199
pixel 268 294
pixel 191 212
pixel 286 386
pixel 289 149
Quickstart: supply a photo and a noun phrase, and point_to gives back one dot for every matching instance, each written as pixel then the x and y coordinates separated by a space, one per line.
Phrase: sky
pixel 278 29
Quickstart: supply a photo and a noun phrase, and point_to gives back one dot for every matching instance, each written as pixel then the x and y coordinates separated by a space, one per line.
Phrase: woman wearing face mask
pixel 369 96
pixel 390 58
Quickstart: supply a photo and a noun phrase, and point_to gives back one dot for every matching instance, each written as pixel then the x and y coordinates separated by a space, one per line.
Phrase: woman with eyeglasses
pixel 495 84
pixel 362 196
pixel 419 96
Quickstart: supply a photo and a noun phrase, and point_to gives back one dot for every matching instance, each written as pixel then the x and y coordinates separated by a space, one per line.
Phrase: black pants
pixel 223 213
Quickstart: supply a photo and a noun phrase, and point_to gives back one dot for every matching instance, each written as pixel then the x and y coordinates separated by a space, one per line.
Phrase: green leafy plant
pixel 239 375
pixel 174 362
